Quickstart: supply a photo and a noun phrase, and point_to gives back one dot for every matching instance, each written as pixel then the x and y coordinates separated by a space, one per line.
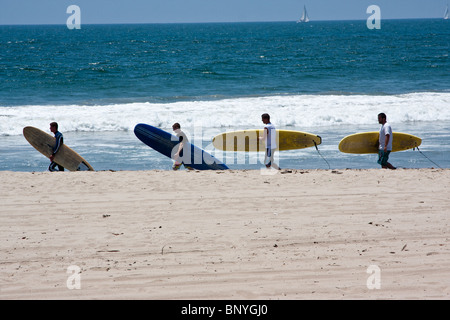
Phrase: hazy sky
pixel 169 11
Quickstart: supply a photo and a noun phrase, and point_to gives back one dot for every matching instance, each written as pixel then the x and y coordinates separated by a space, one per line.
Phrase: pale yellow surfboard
pixel 66 157
pixel 248 140
pixel 367 142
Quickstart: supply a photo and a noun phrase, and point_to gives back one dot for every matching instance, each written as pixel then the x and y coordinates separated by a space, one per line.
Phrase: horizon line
pixel 210 22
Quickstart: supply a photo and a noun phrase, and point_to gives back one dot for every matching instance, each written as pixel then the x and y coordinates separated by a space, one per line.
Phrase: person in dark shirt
pixel 56 147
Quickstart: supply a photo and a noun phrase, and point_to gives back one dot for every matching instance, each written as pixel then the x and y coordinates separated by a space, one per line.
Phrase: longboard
pixel 166 144
pixel 367 142
pixel 248 140
pixel 66 157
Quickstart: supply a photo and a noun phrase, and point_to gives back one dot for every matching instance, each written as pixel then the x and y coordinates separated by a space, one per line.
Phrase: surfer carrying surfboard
pixel 384 142
pixel 270 138
pixel 176 127
pixel 56 147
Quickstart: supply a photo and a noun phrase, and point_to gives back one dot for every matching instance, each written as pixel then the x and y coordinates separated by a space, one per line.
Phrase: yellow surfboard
pixel 66 157
pixel 248 140
pixel 367 142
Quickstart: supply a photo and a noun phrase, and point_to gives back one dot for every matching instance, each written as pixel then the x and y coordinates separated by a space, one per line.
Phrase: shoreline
pixel 235 234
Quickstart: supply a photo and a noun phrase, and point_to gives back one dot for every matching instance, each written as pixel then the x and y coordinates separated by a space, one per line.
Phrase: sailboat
pixel 446 13
pixel 304 17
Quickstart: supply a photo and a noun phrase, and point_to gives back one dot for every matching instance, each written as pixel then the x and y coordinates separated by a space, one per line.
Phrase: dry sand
pixel 299 234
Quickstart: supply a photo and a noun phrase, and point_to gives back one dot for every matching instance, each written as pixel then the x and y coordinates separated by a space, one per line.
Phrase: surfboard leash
pixel 428 158
pixel 315 144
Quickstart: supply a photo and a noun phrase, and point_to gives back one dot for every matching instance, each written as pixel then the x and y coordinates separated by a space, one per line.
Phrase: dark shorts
pixel 269 157
pixel 383 157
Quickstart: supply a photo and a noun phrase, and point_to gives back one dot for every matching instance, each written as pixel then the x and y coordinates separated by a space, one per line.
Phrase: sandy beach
pixel 297 234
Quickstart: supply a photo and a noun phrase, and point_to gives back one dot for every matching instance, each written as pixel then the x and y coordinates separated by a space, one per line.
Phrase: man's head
pixel 53 127
pixel 381 118
pixel 265 118
pixel 176 126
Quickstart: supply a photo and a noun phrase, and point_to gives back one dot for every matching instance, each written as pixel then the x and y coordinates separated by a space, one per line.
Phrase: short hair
pixel 265 116
pixel 176 125
pixel 382 115
pixel 54 124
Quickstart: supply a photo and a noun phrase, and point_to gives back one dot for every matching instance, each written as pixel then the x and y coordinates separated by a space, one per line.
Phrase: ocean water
pixel 330 78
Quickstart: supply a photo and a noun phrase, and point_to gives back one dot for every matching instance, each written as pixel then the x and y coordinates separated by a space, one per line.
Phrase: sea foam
pixel 290 111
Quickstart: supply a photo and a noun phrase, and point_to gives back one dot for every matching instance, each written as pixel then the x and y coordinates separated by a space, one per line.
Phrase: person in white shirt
pixel 384 142
pixel 270 139
pixel 183 140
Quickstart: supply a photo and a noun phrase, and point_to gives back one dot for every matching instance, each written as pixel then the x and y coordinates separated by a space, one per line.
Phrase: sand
pixel 298 234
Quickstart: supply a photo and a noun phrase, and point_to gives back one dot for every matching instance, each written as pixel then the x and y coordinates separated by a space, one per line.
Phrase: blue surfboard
pixel 165 143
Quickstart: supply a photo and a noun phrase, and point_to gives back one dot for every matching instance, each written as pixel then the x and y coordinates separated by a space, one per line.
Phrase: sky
pixel 189 11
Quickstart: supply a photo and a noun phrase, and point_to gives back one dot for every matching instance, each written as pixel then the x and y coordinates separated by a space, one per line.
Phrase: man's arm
pixel 180 147
pixel 264 137
pixel 386 141
pixel 59 142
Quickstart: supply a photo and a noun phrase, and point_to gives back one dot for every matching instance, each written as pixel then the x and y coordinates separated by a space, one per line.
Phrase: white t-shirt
pixel 386 129
pixel 271 140
pixel 181 136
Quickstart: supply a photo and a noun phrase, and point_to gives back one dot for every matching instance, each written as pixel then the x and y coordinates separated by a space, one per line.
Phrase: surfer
pixel 270 139
pixel 56 147
pixel 182 141
pixel 385 142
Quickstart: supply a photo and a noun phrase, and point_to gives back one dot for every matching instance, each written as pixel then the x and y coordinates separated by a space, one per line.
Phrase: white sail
pixel 446 13
pixel 304 17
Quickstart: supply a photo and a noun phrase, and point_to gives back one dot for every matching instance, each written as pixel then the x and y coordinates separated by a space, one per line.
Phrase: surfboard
pixel 367 142
pixel 66 157
pixel 167 144
pixel 248 140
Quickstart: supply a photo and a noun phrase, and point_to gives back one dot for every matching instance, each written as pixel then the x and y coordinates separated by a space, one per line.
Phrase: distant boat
pixel 446 13
pixel 304 17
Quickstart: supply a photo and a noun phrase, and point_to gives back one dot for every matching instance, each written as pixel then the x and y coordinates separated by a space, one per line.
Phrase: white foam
pixel 286 111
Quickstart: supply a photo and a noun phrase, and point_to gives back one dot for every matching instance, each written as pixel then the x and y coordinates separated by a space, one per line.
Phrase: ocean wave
pixel 290 111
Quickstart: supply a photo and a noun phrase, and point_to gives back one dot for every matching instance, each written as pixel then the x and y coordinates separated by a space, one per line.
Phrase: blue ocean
pixel 330 78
